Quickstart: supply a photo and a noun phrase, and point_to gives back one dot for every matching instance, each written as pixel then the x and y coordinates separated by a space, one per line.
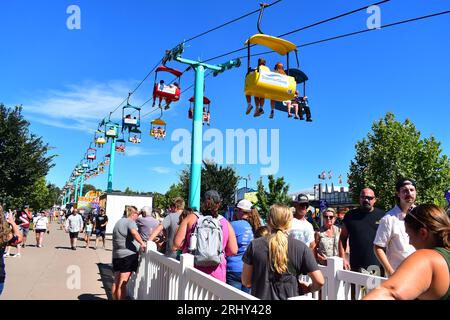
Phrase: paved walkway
pixel 55 272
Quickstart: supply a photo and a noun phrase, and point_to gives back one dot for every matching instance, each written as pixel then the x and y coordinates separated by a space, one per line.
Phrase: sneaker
pixel 249 109
pixel 301 118
pixel 5 255
pixel 308 120
pixel 166 107
pixel 73 248
pixel 289 115
pixel 296 117
pixel 258 112
pixel 17 255
pixel 272 113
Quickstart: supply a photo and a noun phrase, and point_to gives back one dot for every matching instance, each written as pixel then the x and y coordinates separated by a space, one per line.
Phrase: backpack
pixel 206 241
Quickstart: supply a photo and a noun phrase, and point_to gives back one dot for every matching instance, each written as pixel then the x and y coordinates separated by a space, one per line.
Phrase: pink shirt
pixel 220 271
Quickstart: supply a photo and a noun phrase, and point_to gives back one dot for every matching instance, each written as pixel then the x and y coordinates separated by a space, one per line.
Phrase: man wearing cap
pixel 244 235
pixel 391 244
pixel 301 228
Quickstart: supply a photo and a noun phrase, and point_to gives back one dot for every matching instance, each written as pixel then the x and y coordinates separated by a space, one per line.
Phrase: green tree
pixel 88 187
pixel 159 200
pixel 222 179
pixel 53 195
pixel 278 193
pixel 24 158
pixel 393 150
pixel 38 195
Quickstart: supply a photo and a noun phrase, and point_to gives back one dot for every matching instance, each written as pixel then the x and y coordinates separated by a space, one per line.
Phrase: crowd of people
pixel 268 258
pixel 409 244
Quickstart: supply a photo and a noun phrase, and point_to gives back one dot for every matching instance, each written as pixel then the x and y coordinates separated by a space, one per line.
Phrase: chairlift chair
pixel 130 119
pixel 267 84
pixel 91 154
pixel 206 109
pixel 169 93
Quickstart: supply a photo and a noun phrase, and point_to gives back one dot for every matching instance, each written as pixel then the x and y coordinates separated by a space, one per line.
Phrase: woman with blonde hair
pixel 327 238
pixel 273 263
pixel 425 274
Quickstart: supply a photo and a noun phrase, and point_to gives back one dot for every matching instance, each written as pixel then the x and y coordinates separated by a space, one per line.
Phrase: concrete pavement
pixel 55 272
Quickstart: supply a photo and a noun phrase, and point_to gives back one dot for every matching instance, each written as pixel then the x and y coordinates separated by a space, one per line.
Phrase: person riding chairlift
pixel 279 68
pixel 161 88
pixel 259 102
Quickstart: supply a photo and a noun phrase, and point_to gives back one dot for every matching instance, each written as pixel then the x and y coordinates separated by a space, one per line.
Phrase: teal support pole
pixel 81 184
pixel 77 182
pixel 112 153
pixel 197 142
pixel 197 125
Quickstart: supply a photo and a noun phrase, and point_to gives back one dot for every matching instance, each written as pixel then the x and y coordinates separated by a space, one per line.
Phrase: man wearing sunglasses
pixel 360 226
pixel 301 228
pixel 391 244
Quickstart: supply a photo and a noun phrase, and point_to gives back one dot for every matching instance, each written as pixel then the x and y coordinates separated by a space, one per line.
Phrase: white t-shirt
pixel 302 230
pixel 40 222
pixel 74 223
pixel 391 235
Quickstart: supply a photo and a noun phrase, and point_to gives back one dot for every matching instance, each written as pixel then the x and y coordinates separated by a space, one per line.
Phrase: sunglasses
pixel 367 198
pixel 328 217
pixel 303 205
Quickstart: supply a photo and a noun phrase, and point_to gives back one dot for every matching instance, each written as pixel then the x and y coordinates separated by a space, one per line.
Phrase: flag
pixel 330 175
pixel 340 179
pixel 322 175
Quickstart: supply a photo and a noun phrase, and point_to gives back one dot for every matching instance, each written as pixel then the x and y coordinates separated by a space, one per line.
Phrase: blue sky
pixel 68 80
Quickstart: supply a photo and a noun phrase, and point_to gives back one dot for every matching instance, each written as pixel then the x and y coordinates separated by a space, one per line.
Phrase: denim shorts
pixel 24 231
pixel 100 233
pixel 2 285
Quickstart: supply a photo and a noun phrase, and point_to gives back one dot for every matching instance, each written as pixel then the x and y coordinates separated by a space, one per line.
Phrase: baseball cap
pixel 213 195
pixel 403 182
pixel 245 205
pixel 301 198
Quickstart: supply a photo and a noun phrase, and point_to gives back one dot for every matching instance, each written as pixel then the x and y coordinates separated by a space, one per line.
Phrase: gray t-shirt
pixel 146 226
pixel 170 224
pixel 266 284
pixel 123 242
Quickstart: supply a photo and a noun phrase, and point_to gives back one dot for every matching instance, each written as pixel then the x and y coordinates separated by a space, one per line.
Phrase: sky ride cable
pixel 358 32
pixel 305 27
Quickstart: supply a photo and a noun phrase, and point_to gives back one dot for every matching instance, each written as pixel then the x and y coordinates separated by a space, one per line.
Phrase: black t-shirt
pixel 362 227
pixel 99 220
pixel 266 284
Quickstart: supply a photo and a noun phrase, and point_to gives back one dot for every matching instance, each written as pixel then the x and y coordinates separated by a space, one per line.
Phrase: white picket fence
pixel 162 278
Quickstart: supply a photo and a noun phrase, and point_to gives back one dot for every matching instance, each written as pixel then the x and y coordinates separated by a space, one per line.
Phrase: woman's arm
pixel 155 232
pixel 412 278
pixel 246 276
pixel 180 235
pixel 231 248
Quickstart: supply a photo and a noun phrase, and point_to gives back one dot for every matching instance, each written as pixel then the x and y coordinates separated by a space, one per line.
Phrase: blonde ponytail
pixel 279 222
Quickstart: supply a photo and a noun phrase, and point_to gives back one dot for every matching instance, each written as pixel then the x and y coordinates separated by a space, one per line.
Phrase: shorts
pixel 40 230
pixel 127 264
pixel 24 231
pixel 73 235
pixel 88 233
pixel 100 233
pixel 2 285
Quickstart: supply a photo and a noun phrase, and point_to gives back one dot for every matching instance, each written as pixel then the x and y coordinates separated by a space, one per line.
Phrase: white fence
pixel 163 278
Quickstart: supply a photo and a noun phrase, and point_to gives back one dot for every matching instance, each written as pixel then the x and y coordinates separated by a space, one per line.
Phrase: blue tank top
pixel 244 235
